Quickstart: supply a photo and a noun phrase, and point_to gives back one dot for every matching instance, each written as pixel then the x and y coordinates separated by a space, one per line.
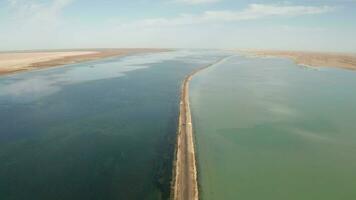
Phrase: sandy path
pixel 185 183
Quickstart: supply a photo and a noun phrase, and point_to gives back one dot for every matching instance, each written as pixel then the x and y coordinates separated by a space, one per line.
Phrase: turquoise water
pixel 96 130
pixel 269 129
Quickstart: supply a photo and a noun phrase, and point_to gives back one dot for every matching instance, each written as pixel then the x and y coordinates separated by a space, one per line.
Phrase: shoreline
pixel 14 62
pixel 184 177
pixel 310 59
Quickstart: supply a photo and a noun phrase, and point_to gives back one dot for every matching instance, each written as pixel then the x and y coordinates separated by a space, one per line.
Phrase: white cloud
pixel 194 2
pixel 256 11
pixel 33 23
pixel 30 11
pixel 205 30
pixel 252 12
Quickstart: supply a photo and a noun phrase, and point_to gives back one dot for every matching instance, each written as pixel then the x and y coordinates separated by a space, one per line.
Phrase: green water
pixel 95 131
pixel 269 129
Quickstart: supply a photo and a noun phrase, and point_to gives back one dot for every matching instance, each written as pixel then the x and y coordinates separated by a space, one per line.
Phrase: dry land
pixel 315 59
pixel 11 62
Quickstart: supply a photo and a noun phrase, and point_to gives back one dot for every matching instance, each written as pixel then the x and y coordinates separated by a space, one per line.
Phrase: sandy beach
pixel 11 62
pixel 315 59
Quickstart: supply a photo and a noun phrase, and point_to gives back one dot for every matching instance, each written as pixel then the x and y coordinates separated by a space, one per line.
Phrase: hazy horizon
pixel 321 25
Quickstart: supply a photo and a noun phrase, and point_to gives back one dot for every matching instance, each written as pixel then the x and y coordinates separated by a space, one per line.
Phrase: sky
pixel 313 25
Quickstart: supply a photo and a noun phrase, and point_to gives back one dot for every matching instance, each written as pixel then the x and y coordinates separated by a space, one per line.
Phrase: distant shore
pixel 11 62
pixel 313 59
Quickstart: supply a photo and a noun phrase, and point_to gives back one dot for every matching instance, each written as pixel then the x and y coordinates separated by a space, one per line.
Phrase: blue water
pixel 97 130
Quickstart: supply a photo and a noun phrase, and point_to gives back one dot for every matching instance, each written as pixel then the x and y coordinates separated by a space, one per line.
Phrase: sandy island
pixel 11 62
pixel 185 180
pixel 314 59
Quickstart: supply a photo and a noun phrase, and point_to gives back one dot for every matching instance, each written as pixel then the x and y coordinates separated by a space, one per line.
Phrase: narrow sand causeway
pixel 185 174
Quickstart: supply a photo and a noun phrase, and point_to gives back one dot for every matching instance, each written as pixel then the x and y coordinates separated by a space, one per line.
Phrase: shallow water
pixel 97 130
pixel 269 129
